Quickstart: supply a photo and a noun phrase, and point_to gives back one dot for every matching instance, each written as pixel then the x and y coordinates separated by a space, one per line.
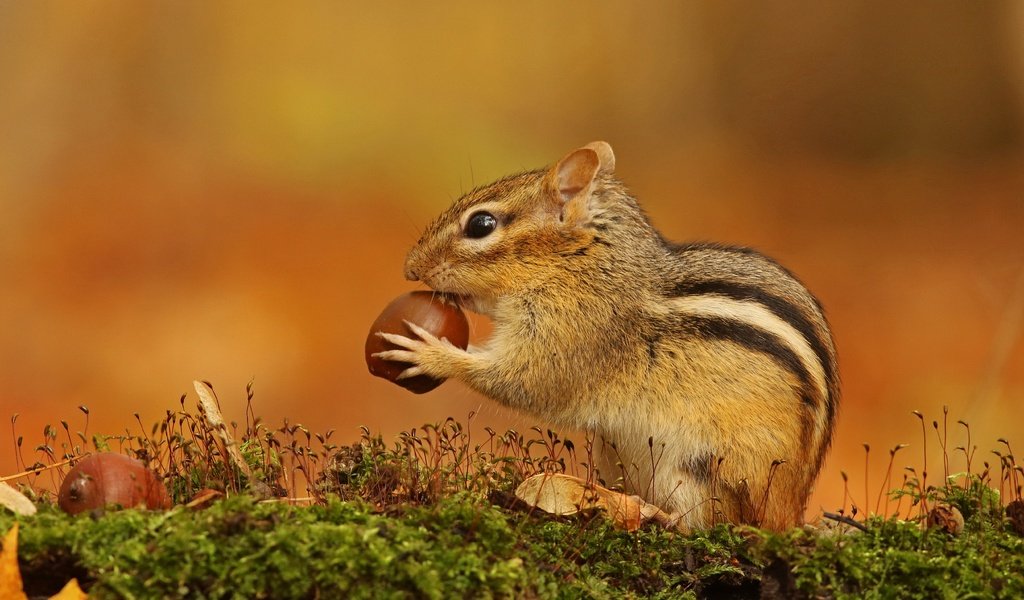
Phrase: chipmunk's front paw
pixel 428 355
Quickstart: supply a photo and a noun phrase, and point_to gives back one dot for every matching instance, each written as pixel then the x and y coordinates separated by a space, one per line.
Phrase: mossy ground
pixel 432 516
pixel 465 547
pixel 460 547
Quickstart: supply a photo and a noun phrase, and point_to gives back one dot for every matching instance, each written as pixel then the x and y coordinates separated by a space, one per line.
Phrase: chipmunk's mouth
pixel 467 302
pixel 440 280
pixel 464 301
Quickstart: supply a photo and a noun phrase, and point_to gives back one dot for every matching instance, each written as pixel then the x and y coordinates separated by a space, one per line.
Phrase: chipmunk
pixel 709 370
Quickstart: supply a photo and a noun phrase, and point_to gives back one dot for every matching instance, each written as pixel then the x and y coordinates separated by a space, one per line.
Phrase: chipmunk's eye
pixel 480 225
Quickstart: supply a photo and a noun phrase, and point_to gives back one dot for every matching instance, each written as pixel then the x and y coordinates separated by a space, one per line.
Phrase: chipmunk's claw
pixel 423 334
pixel 409 373
pixel 428 355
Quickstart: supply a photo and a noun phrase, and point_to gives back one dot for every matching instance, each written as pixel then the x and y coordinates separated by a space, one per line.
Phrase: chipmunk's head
pixel 515 234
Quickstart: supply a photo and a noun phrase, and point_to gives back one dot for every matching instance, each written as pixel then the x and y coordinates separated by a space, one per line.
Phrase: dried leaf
pixel 946 517
pixel 556 493
pixel 10 577
pixel 625 511
pixel 16 501
pixel 211 411
pixel 561 494
pixel 204 498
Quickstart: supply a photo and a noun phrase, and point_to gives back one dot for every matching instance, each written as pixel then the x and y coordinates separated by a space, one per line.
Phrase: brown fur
pixel 702 364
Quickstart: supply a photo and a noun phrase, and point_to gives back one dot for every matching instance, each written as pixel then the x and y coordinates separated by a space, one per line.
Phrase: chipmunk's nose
pixel 414 265
pixel 411 272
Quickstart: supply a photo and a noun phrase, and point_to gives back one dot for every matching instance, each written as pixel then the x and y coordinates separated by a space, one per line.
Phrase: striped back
pixel 738 295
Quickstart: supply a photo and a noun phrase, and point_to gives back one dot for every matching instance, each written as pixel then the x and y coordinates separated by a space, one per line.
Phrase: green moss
pixel 460 547
pixel 239 548
pixel 897 559
pixel 464 547
pixel 413 520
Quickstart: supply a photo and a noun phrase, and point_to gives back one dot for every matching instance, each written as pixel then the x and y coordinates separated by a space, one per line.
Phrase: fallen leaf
pixel 556 493
pixel 11 586
pixel 560 494
pixel 70 591
pixel 946 517
pixel 15 500
pixel 204 498
pixel 10 577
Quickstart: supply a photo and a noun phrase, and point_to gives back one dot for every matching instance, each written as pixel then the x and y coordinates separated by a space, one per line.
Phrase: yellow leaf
pixel 11 587
pixel 10 577
pixel 71 591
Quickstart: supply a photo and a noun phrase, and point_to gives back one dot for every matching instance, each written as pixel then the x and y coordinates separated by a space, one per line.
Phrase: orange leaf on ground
pixel 71 591
pixel 11 586
pixel 10 577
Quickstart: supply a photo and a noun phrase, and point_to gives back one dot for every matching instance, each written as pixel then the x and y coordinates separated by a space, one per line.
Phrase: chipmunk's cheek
pixel 442 278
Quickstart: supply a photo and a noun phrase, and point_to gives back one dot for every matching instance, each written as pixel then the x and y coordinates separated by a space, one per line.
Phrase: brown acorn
pixel 430 310
pixel 110 478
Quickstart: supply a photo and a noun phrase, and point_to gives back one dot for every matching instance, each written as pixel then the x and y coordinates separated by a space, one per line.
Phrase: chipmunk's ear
pixel 605 155
pixel 571 181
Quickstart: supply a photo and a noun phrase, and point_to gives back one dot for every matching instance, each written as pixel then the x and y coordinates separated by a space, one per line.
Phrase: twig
pixel 846 520
pixel 39 470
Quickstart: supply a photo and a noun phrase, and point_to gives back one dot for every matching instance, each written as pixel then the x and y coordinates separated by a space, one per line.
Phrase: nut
pixel 432 311
pixel 110 478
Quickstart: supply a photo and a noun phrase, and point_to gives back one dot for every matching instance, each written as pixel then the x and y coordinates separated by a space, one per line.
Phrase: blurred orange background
pixel 226 191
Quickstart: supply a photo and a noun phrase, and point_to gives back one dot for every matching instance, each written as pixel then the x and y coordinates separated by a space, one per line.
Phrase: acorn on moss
pixel 111 479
